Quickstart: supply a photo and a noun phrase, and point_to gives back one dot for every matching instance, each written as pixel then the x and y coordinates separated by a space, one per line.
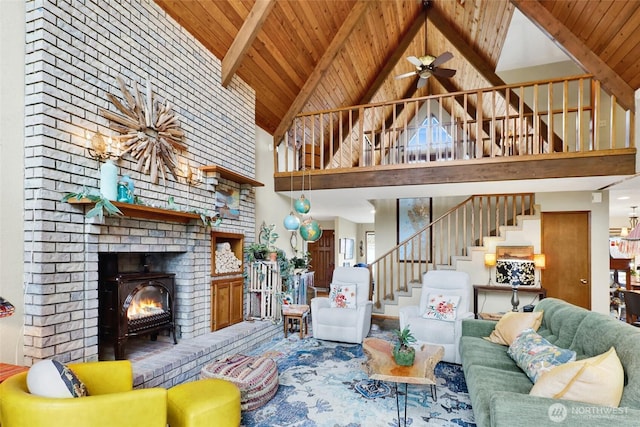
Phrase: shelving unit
pixel 146 212
pixel 227 288
pixel 230 175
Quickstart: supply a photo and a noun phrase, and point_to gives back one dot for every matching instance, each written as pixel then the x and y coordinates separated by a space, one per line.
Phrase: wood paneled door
pixel 566 244
pixel 323 259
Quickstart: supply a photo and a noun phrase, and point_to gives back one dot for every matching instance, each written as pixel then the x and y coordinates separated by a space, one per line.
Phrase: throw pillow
pixel 535 355
pixel 598 380
pixel 343 295
pixel 512 324
pixel 441 307
pixel 50 378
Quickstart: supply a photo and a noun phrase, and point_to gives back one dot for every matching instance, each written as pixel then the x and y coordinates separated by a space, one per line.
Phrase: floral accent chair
pixel 445 301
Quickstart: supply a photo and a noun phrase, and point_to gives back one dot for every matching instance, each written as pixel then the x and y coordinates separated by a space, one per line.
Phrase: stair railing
pixel 449 236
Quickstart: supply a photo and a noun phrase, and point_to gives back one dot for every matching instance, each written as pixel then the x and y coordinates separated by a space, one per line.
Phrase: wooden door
pixel 220 297
pixel 566 244
pixel 322 259
pixel 237 294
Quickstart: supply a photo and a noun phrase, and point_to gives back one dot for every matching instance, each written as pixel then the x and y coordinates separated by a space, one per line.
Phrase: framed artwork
pixel 343 246
pixel 228 201
pixel 348 250
pixel 514 252
pixel 413 215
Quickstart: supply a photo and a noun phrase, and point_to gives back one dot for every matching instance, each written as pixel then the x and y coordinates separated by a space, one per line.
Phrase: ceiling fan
pixel 427 65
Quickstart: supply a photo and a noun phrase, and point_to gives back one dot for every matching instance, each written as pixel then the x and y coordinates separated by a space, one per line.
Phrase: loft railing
pixel 569 115
pixel 449 236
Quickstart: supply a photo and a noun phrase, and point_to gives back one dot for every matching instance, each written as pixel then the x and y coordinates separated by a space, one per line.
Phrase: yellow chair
pixel 112 402
pixel 204 403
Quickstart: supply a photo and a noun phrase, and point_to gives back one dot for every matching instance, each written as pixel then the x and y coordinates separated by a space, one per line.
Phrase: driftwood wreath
pixel 149 131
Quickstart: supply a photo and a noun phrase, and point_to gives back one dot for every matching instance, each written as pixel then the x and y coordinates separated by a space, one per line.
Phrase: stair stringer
pixel 526 232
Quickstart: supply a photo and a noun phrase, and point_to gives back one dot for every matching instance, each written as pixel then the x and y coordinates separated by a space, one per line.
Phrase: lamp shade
pixel 489 260
pixel 630 244
pixel 302 205
pixel 540 261
pixel 291 222
pixel 310 230
pixel 6 308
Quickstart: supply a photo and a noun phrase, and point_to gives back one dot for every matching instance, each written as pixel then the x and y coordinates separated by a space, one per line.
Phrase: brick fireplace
pixel 74 51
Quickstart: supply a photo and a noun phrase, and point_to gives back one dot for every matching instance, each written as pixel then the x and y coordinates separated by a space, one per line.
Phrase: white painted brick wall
pixel 75 49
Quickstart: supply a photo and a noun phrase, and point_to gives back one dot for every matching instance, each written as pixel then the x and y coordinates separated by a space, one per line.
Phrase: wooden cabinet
pixel 226 302
pixel 227 284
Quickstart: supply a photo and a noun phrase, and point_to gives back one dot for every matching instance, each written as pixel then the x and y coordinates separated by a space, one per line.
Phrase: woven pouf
pixel 256 377
pixel 204 403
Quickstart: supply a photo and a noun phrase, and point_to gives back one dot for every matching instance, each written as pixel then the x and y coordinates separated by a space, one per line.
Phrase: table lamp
pixel 539 262
pixel 489 261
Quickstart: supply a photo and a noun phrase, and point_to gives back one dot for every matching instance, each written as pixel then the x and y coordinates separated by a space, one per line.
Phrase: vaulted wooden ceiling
pixel 302 56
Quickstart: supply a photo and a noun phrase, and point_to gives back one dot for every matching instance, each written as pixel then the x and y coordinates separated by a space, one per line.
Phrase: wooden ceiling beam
pixel 336 45
pixel 578 51
pixel 243 41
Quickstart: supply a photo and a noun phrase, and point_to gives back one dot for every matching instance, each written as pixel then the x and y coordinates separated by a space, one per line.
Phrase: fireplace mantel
pixel 146 212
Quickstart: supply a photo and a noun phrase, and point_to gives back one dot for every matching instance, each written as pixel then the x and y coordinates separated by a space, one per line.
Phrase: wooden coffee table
pixel 381 366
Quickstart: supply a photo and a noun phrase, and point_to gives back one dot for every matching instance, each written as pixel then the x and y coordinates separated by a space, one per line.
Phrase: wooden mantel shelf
pixel 146 212
pixel 231 175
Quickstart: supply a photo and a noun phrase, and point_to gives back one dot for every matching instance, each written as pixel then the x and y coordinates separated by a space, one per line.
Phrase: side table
pixel 542 292
pixel 296 312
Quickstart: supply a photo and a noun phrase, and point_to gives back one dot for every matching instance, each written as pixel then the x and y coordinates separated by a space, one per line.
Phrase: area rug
pixel 323 383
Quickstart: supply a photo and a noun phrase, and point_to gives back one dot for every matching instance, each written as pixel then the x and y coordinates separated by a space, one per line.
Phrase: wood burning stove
pixel 131 304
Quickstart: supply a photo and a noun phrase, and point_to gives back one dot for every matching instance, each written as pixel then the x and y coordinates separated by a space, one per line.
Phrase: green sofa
pixel 499 390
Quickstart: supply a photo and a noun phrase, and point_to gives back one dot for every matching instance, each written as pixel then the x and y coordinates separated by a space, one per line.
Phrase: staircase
pixel 456 240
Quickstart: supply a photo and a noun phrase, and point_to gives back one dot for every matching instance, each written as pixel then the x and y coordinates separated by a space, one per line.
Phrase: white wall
pixel 12 35
pixel 271 207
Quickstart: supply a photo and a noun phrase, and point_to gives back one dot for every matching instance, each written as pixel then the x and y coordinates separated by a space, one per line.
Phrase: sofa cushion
pixel 343 295
pixel 560 321
pixel 479 351
pixel 442 307
pixel 50 378
pixel 535 355
pixel 598 380
pixel 483 382
pixel 512 323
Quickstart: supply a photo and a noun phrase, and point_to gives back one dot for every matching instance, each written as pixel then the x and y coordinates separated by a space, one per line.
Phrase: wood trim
pixel 231 175
pixel 541 166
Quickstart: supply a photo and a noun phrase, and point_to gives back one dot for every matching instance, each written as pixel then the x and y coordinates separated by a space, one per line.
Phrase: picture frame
pixel 413 215
pixel 348 251
pixel 342 245
pixel 227 201
pixel 514 252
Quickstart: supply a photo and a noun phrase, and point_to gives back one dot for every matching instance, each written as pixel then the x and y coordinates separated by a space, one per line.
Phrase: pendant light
pixel 302 205
pixel 291 222
pixel 310 229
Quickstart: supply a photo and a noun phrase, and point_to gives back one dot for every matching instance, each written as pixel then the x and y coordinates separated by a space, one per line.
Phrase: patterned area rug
pixel 323 383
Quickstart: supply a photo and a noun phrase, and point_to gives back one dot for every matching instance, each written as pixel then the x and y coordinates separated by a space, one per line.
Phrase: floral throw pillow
pixel 343 295
pixel 535 355
pixel 441 307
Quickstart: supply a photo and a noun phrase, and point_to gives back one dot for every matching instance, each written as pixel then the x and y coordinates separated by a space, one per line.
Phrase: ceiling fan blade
pixel 415 61
pixel 422 81
pixel 442 59
pixel 402 76
pixel 444 72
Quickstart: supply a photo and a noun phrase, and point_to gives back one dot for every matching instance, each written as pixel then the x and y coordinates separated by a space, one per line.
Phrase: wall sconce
pixel 102 150
pixel 489 261
pixel 192 176
pixel 539 262
pixel 6 308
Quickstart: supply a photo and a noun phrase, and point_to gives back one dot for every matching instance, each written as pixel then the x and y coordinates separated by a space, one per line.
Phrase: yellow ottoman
pixel 204 403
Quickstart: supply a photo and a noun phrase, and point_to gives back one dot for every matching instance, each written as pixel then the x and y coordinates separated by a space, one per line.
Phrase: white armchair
pixel 344 324
pixel 440 332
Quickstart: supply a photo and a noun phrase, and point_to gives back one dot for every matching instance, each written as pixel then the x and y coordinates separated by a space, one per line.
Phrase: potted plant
pixel 256 252
pixel 403 353
pixel 268 237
